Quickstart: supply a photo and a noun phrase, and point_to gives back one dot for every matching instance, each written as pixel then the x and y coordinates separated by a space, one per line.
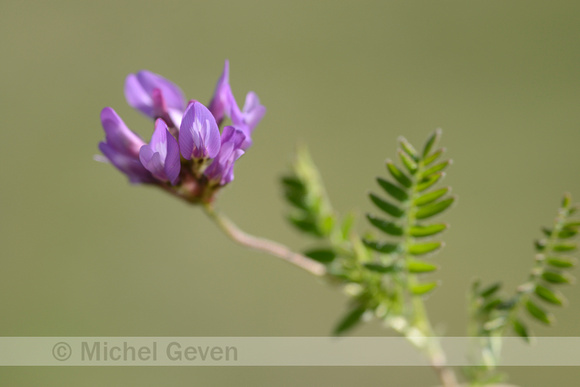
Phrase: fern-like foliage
pixel 380 275
pixel 412 202
pixel 494 315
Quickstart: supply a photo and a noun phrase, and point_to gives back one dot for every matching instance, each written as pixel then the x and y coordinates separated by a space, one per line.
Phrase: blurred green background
pixel 83 253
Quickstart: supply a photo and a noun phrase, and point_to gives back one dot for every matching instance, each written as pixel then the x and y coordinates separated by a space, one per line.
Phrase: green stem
pixel 262 244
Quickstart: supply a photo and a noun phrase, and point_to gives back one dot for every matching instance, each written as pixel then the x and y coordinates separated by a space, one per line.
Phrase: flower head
pixel 199 135
pixel 155 96
pixel 190 131
pixel 161 155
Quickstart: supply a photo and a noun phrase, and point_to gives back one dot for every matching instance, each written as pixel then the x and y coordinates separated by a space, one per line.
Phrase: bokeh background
pixel 83 253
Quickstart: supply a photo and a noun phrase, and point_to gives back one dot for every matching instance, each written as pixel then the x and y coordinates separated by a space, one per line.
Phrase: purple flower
pixel 155 96
pixel 199 135
pixel 223 104
pixel 121 147
pixel 161 155
pixel 221 170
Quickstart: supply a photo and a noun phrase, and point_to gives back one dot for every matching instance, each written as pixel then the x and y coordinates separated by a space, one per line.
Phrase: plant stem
pixel 262 244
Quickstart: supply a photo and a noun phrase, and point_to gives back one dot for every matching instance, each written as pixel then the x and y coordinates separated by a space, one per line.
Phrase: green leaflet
pixel 561 262
pixel 306 225
pixel 564 247
pixel 417 267
pixel 436 168
pixel 491 305
pixel 424 288
pixel 409 163
pixel 399 176
pixel 425 231
pixel 351 319
pixel 490 290
pixel 429 181
pixel 381 247
pixel 431 196
pixel 565 233
pixel 566 200
pixel 424 248
pixel 378 268
pixel 295 192
pixel 387 207
pixel 433 209
pixel 521 330
pixel 408 148
pixel 538 313
pixel 431 141
pixel 393 190
pixel 385 226
pixel 431 158
pixel 556 278
pixel 347 225
pixel 548 295
pixel 321 255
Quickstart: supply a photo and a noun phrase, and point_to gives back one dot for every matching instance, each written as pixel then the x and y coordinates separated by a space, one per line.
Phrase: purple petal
pixel 228 176
pixel 221 168
pixel 161 155
pixel 126 164
pixel 199 134
pixel 159 105
pixel 253 111
pixel 154 95
pixel 175 115
pixel 233 135
pixel 153 163
pixel 159 138
pixel 172 161
pixel 118 135
pixel 219 105
pixel 234 111
pixel 137 97
pixel 186 134
pixel 171 92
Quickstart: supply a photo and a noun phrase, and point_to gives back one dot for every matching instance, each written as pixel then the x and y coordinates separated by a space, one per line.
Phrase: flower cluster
pixel 187 154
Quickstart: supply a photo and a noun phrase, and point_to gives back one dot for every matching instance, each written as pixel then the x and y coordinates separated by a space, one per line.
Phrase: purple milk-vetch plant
pixel 192 154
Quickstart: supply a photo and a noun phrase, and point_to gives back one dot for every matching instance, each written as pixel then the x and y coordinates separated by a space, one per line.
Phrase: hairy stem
pixel 264 245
